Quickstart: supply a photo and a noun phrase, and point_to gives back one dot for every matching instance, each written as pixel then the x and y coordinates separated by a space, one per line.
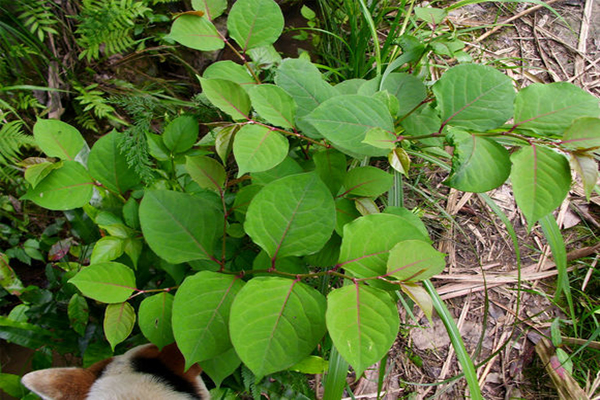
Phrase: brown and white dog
pixel 142 373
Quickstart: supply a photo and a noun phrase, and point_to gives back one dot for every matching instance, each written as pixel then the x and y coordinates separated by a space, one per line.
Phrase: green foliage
pixel 273 229
pixel 38 17
pixel 109 24
pixel 12 140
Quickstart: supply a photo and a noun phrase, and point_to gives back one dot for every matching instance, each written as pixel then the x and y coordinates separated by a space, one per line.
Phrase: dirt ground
pixel 500 328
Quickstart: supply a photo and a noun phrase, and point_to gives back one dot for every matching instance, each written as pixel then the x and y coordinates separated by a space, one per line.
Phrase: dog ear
pixel 63 383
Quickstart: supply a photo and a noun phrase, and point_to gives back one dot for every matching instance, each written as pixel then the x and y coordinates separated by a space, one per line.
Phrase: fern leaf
pixel 12 139
pixel 38 17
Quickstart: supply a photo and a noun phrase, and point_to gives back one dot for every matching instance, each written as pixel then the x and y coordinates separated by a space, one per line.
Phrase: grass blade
pixel 335 380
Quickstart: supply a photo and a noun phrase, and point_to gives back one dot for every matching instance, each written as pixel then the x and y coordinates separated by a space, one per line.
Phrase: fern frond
pixel 38 17
pixel 107 24
pixel 91 99
pixel 12 139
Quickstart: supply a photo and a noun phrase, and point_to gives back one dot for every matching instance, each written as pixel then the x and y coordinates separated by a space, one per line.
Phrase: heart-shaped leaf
pixel 255 23
pixel 258 148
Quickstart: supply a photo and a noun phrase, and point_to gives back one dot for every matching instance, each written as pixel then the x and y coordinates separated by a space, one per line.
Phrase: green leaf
pixel 311 365
pixel 65 188
pixel 274 104
pixel 365 249
pixel 180 227
pixel 242 200
pixel 414 260
pixel 399 160
pixel 587 168
pixel 431 15
pixel 211 8
pixel 550 109
pixel 292 216
pixel 367 182
pixel 9 280
pixel 156 147
pixel 155 319
pixel 345 121
pixel 24 334
pixel 230 71
pixel 79 313
pixel 287 167
pixel 228 97
pixel 109 166
pixel 108 282
pixel 181 134
pixel 473 96
pixel 408 89
pixel 346 212
pixel 201 313
pixel 424 121
pixel 478 164
pixel 420 297
pixel 291 265
pixel 196 33
pixel 349 86
pixel 257 148
pixel 275 323
pixel 363 323
pixel 541 179
pixel 58 139
pixel 380 138
pixel 107 248
pixel 11 385
pixel 255 23
pixel 302 80
pixel 206 172
pixel 119 320
pixel 35 173
pixel 583 135
pixel 409 218
pixel 330 164
pixel 221 367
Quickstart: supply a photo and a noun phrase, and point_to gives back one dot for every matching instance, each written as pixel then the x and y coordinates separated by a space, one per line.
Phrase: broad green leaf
pixel 206 172
pixel 230 71
pixel 275 323
pixel 196 33
pixel 224 141
pixel 180 227
pixel 363 323
pixel 156 147
pixel 474 96
pixel 380 138
pixel 255 23
pixel 367 182
pixel 265 56
pixel 302 80
pixel 133 248
pixel 541 179
pixel 107 248
pixel 349 86
pixel 35 173
pixel 24 334
pixel 154 319
pixel 291 265
pixel 109 166
pixel 345 121
pixel 587 168
pixel 311 365
pixel 330 164
pixel 181 134
pixel 222 366
pixel 65 188
pixel 367 241
pixel 211 8
pixel 390 101
pixel 11 385
pixel 287 167
pixel 399 160
pixel 274 104
pixel 107 282
pixel 583 135
pixel 478 164
pixel 201 315
pixel 119 320
pixel 131 213
pixel 414 260
pixel 408 89
pixel 424 121
pixel 258 148
pixel 419 296
pixel 409 218
pixel 242 200
pixel 346 212
pixel 58 139
pixel 79 313
pixel 366 205
pixel 292 216
pixel 431 15
pixel 227 96
pixel 549 109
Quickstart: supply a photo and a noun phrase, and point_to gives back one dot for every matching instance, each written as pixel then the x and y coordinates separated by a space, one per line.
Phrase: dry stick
pixel 514 17
pixel 583 35
pixel 553 74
